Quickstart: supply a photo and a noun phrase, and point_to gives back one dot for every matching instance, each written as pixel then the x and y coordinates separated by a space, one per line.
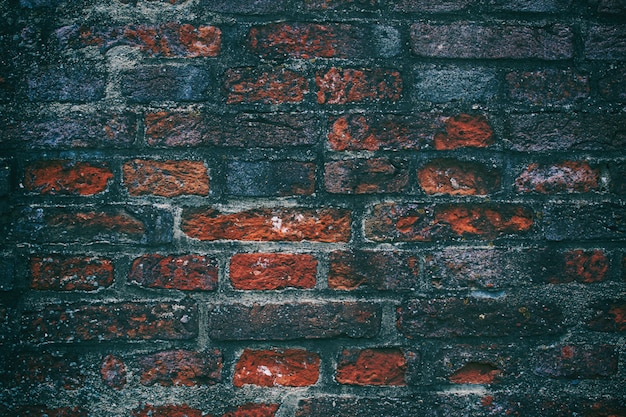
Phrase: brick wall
pixel 312 208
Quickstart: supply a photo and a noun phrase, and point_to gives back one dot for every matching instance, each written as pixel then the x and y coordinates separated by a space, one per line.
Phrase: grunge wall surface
pixel 312 208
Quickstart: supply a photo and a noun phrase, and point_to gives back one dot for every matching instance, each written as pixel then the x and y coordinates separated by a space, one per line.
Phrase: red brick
pixel 556 87
pixel 241 130
pixel 59 371
pixel 350 85
pixel 269 368
pixel 605 42
pixel 166 178
pixel 389 222
pixel 184 410
pixel 454 177
pixel 167 40
pixel 583 266
pixel 70 273
pixel 264 86
pixel 268 224
pixel 470 40
pixel 253 410
pixel 181 367
pixel 475 373
pixel 464 130
pixel 576 362
pixel 568 176
pixel 455 317
pixel 113 372
pixel 42 411
pixel 118 321
pixel 379 270
pixel 372 367
pixel 308 40
pixel 366 176
pixel 184 272
pixel 272 271
pixel 610 316
pixel 164 82
pixel 270 178
pixel 67 177
pixel 294 321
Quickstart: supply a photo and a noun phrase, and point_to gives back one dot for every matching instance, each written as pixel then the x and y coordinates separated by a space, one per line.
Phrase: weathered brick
pixel 67 177
pixel 253 410
pixel 70 273
pixel 294 321
pixel 455 317
pixel 251 85
pixel 113 372
pixel 464 130
pixel 268 368
pixel 259 7
pixel 531 6
pixel 454 177
pixel 42 411
pixel 271 224
pixel 350 85
pixel 436 6
pixel 550 86
pixel 553 405
pixel 610 316
pixel 242 130
pixel 73 130
pixel 55 370
pixel 582 266
pixel 389 222
pixel 270 178
pixel 481 362
pixel 379 270
pixel 606 42
pixel 184 272
pixel 181 367
pixel 71 84
pixel 564 177
pixel 308 40
pixel 386 367
pixel 169 40
pixel 136 224
pixel 5 180
pixel 366 176
pixel 7 273
pixel 617 172
pixel 148 83
pixel 272 271
pixel 538 132
pixel 575 362
pixel 169 410
pixel 166 178
pixel 361 5
pixel 441 84
pixel 470 40
pixel 117 321
pixel 609 7
pixel 585 221
pixel 612 85
pixel 475 373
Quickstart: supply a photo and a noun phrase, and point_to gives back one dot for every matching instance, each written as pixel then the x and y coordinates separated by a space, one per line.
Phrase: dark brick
pixel 265 224
pixel 617 171
pixel 360 5
pixel 435 6
pixel 113 372
pixel 586 221
pixel 7 273
pixel 270 178
pixel 476 363
pixel 562 405
pixel 609 317
pixel 185 272
pixel 70 273
pixel 564 177
pixel 445 84
pixel 42 411
pixel 563 132
pixel 272 271
pixel 119 321
pixel 61 371
pixel 166 178
pixel 253 410
pixel 547 87
pixel 308 40
pixel 468 40
pixel 379 367
pixel 166 82
pixel 269 368
pixel 181 367
pixel 390 222
pixel 5 180
pixel 272 130
pixel 530 6
pixel 475 373
pixel 610 7
pixel 169 410
pixel 257 7
pixel 264 86
pixel 612 84
pixel 349 85
pixel 379 270
pixel 294 321
pixel 366 176
pixel 455 317
pixel 73 84
pixel 67 177
pixel 454 177
pixel 582 266
pixel 606 42
pixel 575 362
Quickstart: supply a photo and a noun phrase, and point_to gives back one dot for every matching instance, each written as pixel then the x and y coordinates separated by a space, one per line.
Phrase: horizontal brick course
pixel 272 271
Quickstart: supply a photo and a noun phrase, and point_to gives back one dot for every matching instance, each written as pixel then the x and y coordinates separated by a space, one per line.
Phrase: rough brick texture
pixel 312 208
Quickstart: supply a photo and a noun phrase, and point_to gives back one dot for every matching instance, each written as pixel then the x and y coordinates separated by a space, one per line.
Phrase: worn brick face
pixel 47 369
pixel 366 176
pixel 609 316
pixel 67 177
pixel 272 271
pixel 265 86
pixel 268 368
pixel 573 362
pixel 70 273
pixel 475 373
pixel 253 410
pixel 170 410
pixel 145 84
pixel 568 176
pixel 605 42
pixel 184 272
pixel 465 130
pixel 275 178
pixel 453 177
pixel 372 367
pixel 547 87
pixel 181 367
pixel 113 372
pixel 166 178
pixel 349 85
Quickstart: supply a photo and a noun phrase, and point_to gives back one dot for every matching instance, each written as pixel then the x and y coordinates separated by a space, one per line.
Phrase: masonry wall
pixel 312 208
